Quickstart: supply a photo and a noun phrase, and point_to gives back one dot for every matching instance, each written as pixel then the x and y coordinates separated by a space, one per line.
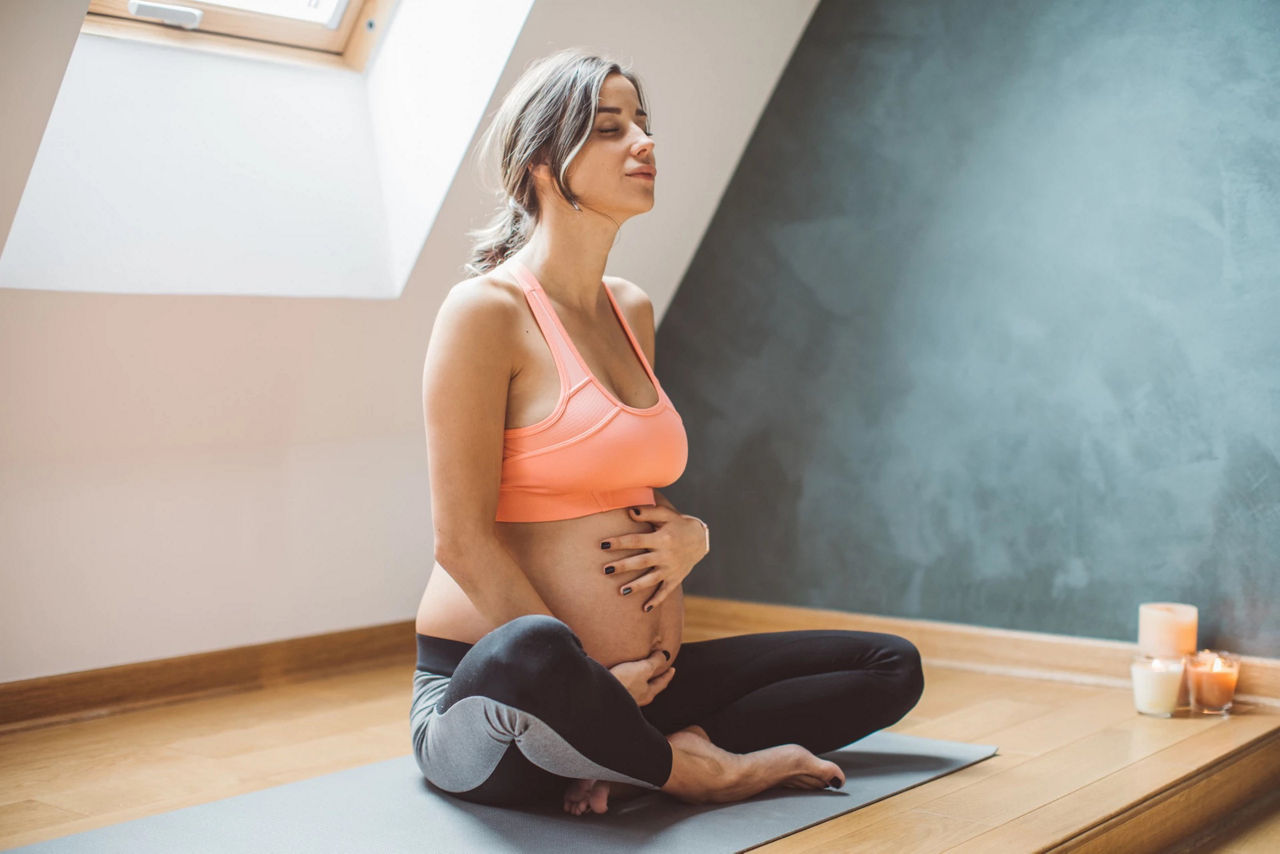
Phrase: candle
pixel 1212 675
pixel 1156 684
pixel 1167 629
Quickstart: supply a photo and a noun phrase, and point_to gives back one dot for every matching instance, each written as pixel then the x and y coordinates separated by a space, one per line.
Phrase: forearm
pixel 492 580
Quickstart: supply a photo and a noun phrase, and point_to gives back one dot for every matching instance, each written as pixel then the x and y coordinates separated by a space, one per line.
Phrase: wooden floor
pixel 1066 752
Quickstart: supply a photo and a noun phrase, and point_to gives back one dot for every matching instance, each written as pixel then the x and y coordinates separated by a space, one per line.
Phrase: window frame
pixel 237 32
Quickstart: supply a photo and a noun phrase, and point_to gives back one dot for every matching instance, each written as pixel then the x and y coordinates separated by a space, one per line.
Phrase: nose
pixel 644 146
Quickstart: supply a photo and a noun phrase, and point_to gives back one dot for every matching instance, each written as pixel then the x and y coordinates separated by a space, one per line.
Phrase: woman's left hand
pixel 677 543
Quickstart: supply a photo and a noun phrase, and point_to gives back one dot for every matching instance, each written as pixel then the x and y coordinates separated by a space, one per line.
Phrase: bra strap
pixel 543 312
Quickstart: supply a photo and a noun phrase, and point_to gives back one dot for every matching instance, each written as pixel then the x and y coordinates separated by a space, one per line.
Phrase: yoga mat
pixel 387 807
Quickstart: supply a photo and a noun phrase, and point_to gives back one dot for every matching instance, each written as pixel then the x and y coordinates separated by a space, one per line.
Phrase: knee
pixel 533 644
pixel 907 673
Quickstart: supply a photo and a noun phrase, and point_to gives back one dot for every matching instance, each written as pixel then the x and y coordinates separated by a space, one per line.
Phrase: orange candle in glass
pixel 1212 675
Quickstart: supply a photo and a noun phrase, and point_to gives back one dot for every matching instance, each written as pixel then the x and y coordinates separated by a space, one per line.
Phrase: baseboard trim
pixel 45 701
pixel 49 700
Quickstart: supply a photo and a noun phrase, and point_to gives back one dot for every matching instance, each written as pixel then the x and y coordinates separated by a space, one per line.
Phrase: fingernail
pixel 605 545
pixel 667 654
pixel 608 570
pixel 648 608
pixel 626 590
pixel 835 782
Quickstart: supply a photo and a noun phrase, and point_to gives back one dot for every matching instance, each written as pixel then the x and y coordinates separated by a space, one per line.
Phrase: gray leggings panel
pixel 459 749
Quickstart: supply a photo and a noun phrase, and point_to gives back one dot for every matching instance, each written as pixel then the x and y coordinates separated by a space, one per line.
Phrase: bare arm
pixel 468 368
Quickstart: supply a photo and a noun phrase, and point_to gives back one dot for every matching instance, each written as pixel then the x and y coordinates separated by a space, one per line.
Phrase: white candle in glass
pixel 1156 682
pixel 1168 630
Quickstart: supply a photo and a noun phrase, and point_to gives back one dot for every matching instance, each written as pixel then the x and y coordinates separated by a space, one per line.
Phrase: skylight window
pixel 327 12
pixel 328 32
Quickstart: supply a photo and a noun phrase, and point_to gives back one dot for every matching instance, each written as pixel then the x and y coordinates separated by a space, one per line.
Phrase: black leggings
pixel 516 716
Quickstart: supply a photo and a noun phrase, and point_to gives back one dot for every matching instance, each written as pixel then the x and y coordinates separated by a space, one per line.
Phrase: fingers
pixel 640 582
pixel 662 681
pixel 656 685
pixel 659 593
pixel 624 541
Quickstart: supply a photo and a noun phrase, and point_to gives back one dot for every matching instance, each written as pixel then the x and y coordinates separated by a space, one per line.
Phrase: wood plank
pixel 1075 795
pixel 31 814
pixel 1059 772
pixel 835 834
pixel 912 830
pixel 1207 799
pixel 823 837
pixel 1152 823
pixel 1066 723
pixel 1253 830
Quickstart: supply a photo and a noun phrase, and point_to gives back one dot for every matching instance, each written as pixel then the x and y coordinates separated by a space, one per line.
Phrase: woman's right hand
pixel 638 676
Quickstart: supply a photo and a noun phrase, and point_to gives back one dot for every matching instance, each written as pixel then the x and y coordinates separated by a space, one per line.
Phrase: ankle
pixel 697 776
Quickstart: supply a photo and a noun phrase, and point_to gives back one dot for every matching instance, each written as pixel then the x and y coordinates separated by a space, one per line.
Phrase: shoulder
pixel 630 296
pixel 480 312
pixel 488 298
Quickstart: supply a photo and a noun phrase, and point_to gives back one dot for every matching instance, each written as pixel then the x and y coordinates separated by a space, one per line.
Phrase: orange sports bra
pixel 593 452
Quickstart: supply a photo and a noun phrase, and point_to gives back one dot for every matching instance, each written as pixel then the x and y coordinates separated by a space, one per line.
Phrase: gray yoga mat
pixel 388 807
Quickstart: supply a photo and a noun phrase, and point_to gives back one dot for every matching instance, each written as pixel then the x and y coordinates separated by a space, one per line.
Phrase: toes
pixel 599 797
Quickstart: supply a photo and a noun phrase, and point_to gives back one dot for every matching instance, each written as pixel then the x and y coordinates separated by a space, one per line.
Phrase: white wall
pixel 184 473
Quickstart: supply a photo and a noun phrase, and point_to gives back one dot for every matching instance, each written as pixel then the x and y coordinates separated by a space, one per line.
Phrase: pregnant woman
pixel 550 663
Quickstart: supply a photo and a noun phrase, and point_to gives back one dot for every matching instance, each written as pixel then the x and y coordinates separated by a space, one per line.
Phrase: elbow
pixel 444 553
pixel 456 547
pixel 451 552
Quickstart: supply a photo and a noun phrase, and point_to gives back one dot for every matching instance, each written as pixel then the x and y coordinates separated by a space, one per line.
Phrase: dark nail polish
pixel 626 590
pixel 835 782
pixel 667 654
pixel 608 570
pixel 605 545
pixel 648 608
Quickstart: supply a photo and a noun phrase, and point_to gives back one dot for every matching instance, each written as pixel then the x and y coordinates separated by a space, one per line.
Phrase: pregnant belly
pixel 565 564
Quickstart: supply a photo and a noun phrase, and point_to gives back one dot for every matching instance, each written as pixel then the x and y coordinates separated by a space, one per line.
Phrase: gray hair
pixel 546 117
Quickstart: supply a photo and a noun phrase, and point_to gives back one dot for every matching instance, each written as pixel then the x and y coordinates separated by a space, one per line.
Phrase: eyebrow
pixel 603 109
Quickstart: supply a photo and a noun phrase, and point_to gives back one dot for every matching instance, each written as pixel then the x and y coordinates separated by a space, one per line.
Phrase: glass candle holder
pixel 1212 675
pixel 1156 682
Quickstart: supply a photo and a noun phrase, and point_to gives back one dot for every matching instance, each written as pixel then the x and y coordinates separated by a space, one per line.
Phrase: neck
pixel 568 252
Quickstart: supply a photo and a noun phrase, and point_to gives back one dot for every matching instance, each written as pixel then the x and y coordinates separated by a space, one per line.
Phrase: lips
pixel 647 172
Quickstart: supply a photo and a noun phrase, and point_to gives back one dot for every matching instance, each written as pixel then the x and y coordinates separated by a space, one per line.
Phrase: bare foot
pixel 704 773
pixel 583 795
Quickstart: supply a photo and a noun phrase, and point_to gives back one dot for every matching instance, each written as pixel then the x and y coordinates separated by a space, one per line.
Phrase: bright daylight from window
pixel 327 12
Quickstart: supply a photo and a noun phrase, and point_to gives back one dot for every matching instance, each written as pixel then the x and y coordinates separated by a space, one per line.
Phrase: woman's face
pixel 619 144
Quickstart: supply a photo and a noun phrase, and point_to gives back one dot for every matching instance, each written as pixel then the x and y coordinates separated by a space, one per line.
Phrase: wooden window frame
pixel 234 32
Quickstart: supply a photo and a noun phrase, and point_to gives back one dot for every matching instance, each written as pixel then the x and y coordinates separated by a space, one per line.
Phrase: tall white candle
pixel 1167 629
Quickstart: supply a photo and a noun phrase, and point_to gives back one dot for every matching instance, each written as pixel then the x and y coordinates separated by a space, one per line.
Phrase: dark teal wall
pixel 987 326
